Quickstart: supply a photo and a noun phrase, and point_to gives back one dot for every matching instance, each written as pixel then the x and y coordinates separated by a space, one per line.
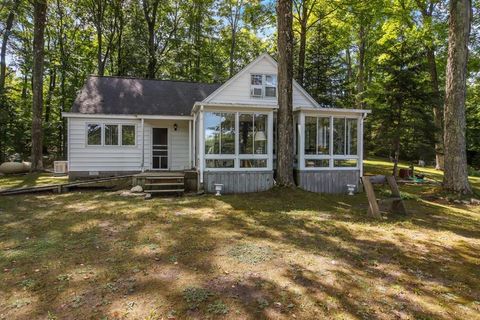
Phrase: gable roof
pixel 120 95
pixel 269 58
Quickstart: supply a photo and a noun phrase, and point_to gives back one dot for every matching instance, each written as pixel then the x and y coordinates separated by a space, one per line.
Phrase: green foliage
pixel 217 307
pixel 355 52
pixel 251 254
pixel 195 296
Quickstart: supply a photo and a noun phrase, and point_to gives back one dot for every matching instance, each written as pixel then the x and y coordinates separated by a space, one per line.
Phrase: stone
pixel 148 196
pixel 137 189
pixel 475 202
pixel 465 202
pixel 457 201
pixel 13 167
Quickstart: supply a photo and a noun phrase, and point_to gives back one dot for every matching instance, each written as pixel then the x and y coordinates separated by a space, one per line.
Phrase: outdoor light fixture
pixel 218 189
pixel 351 189
pixel 175 126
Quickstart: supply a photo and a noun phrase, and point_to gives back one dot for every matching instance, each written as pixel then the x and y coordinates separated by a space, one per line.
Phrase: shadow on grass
pixel 89 255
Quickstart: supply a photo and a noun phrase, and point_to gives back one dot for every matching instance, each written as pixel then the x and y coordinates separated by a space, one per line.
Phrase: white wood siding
pixel 238 91
pixel 177 143
pixel 125 158
pixel 102 158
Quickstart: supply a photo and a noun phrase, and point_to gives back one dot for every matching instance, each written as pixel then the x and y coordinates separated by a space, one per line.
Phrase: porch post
pixel 270 140
pixel 143 144
pixel 301 143
pixel 194 150
pixel 360 144
pixel 190 143
pixel 201 148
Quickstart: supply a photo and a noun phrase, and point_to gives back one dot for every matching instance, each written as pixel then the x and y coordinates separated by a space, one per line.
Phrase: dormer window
pixel 263 86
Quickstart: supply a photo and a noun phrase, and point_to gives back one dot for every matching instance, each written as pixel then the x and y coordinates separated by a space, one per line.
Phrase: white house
pixel 222 133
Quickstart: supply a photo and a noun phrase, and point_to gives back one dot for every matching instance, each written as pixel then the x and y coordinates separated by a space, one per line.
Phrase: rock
pixel 465 202
pixel 475 202
pixel 457 201
pixel 13 167
pixel 148 196
pixel 27 165
pixel 137 189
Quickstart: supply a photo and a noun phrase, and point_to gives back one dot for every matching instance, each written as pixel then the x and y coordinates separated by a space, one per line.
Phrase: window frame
pixel 120 138
pixel 237 156
pixel 102 134
pixel 331 157
pixel 263 86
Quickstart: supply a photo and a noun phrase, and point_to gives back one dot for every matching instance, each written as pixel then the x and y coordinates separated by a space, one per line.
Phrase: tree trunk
pixel 303 43
pixel 232 53
pixel 51 88
pixel 3 52
pixel 455 177
pixel 361 67
pixel 150 12
pixel 285 78
pixel 39 18
pixel 101 66
pixel 437 109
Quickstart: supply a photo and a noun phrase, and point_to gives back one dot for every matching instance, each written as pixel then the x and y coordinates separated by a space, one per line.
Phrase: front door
pixel 160 148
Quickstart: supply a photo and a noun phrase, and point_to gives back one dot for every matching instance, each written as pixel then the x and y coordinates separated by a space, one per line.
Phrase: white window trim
pixel 102 135
pixel 120 141
pixel 237 156
pixel 263 86
pixel 331 157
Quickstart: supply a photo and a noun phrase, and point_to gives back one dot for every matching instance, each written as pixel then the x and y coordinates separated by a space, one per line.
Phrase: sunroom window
pixel 324 150
pixel 224 149
pixel 219 140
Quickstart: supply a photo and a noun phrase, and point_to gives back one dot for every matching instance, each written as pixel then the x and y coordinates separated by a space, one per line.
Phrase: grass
pixel 380 166
pixel 30 180
pixel 274 255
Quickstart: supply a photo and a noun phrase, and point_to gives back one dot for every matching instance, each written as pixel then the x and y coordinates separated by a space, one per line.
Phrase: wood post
pixel 393 204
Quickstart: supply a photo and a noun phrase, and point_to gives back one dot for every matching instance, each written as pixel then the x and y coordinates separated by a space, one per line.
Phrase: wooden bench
pixel 376 206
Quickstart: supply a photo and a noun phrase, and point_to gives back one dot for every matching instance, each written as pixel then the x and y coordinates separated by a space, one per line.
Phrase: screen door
pixel 160 148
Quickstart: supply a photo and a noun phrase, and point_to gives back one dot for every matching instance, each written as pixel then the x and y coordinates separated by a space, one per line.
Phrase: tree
pixel 427 9
pixel 39 18
pixel 6 35
pixel 163 19
pixel 455 177
pixel 285 78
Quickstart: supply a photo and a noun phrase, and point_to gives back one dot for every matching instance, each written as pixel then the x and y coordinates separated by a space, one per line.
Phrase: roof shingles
pixel 117 95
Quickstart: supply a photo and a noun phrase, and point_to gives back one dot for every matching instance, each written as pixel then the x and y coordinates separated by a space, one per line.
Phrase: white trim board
pixel 123 116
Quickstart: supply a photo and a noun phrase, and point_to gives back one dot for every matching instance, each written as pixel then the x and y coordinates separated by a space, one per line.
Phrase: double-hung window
pixel 236 140
pixel 263 86
pixel 330 142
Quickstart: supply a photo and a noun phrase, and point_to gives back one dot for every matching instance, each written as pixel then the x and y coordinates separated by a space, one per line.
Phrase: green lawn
pixel 281 254
pixel 30 180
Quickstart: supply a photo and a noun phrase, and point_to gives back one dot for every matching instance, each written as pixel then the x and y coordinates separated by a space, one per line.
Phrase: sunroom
pixel 234 147
pixel 329 148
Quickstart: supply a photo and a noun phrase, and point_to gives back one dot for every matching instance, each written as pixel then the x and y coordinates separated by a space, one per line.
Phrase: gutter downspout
pixel 361 145
pixel 143 145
